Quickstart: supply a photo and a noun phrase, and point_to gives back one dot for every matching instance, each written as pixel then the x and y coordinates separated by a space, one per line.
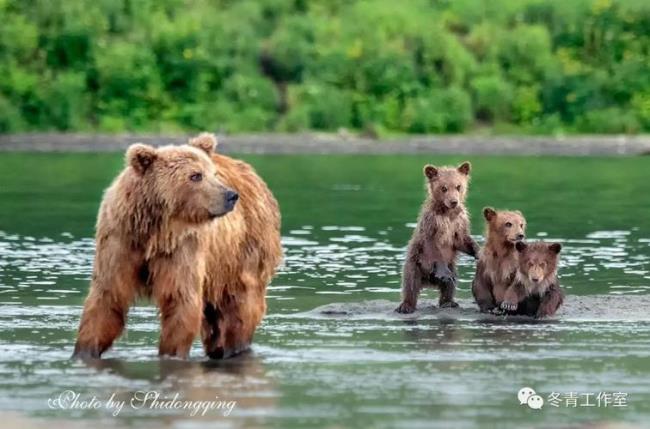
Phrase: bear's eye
pixel 196 177
pixel 444 189
pixel 458 188
pixel 508 224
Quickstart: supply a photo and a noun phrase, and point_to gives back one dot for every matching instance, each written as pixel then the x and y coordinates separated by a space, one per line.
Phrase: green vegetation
pixel 422 66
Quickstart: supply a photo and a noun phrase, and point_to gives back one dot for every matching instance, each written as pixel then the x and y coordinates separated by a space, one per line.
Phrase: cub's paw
pixel 405 308
pixel 508 306
pixel 487 308
pixel 442 275
pixel 543 312
pixel 449 304
pixel 448 281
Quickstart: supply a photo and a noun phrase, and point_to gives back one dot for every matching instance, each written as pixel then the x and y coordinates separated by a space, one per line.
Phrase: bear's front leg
pixel 411 286
pixel 232 312
pixel 444 277
pixel 112 290
pixel 177 291
pixel 513 296
pixel 551 301
pixel 469 246
pixel 482 290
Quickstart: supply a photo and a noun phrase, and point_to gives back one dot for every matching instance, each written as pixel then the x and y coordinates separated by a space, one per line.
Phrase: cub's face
pixel 538 261
pixel 183 181
pixel 510 226
pixel 448 185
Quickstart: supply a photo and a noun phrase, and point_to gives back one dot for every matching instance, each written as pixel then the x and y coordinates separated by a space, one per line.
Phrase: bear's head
pixel 508 227
pixel 448 185
pixel 181 181
pixel 538 261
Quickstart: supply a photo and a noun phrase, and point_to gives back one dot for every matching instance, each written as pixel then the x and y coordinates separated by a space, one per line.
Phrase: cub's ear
pixel 555 247
pixel 430 171
pixel 520 246
pixel 140 157
pixel 489 213
pixel 465 168
pixel 207 142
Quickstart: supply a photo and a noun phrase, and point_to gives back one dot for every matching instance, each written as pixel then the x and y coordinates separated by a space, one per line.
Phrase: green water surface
pixel 346 222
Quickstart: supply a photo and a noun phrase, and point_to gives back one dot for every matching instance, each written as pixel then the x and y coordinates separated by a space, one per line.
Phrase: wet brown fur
pixel 498 260
pixel 164 236
pixel 536 281
pixel 442 230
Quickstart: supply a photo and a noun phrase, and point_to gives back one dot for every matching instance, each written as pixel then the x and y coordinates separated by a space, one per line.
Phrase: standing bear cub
pixel 197 232
pixel 498 262
pixel 442 230
pixel 536 289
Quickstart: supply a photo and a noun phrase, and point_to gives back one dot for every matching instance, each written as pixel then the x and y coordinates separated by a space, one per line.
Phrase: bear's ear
pixel 465 168
pixel 489 213
pixel 520 246
pixel 207 142
pixel 430 171
pixel 140 157
pixel 555 247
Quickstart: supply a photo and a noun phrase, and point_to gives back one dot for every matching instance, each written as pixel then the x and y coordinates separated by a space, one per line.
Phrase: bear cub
pixel 442 230
pixel 536 289
pixel 499 260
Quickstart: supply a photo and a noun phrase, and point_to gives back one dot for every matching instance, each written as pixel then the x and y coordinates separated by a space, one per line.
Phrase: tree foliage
pixel 422 66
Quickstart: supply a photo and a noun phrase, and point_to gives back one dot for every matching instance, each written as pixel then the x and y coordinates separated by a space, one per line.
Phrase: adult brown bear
pixel 197 232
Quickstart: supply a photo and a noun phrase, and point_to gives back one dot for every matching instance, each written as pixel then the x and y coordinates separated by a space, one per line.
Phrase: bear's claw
pixel 405 308
pixel 449 304
pixel 508 306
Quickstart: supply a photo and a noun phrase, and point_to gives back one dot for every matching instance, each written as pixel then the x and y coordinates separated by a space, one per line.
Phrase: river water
pixel 331 352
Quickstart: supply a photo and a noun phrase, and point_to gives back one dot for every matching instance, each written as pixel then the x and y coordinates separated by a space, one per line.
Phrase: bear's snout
pixel 520 237
pixel 453 203
pixel 231 198
pixel 223 202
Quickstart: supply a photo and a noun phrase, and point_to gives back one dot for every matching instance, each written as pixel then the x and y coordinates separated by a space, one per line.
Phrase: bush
pixel 67 101
pixel 492 98
pixel 129 85
pixel 289 50
pixel 10 119
pixel 251 90
pixel 440 111
pixel 606 121
pixel 326 107
pixel 425 66
pixel 526 105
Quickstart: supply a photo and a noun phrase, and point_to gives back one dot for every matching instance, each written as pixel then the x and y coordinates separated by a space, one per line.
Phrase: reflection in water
pixel 239 383
pixel 437 335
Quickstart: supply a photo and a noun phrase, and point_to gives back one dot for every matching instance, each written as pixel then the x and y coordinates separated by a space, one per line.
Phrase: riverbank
pixel 321 143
